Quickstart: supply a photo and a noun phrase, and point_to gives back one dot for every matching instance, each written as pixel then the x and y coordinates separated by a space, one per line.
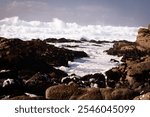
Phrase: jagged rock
pixel 138 73
pixel 17 53
pixel 129 50
pixel 70 78
pixel 113 77
pixel 143 37
pixel 38 83
pixel 96 79
pixel 11 86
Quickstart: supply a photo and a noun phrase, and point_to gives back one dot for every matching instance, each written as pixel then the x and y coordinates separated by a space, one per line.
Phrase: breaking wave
pixel 16 28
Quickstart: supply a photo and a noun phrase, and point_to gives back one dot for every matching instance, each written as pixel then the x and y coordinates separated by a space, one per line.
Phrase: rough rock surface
pixel 143 37
pixel 60 92
pixel 28 66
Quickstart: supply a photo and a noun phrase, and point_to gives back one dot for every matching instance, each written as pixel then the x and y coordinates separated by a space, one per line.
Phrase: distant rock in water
pixel 61 40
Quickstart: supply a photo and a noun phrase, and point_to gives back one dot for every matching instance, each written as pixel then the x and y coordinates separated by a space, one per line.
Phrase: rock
pixel 71 78
pixel 106 93
pixel 61 40
pixel 25 97
pixel 19 54
pixel 7 73
pixel 38 83
pixel 113 76
pixel 60 92
pixel 129 50
pixel 87 94
pixel 149 27
pixel 123 94
pixel 138 72
pixel 12 86
pixel 143 97
pixel 97 79
pixel 143 37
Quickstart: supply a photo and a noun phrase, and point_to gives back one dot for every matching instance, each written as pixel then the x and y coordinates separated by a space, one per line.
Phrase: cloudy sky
pixel 83 12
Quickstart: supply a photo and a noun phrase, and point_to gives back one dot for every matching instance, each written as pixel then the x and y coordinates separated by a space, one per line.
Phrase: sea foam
pixel 16 28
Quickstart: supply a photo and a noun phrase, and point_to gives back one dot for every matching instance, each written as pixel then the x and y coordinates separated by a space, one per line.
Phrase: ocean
pixel 98 60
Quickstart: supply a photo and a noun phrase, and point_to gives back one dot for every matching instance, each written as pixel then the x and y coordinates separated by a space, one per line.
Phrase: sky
pixel 83 12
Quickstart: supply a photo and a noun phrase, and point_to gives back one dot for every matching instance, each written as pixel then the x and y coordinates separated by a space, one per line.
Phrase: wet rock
pixel 38 83
pixel 11 86
pixel 113 77
pixel 70 78
pixel 19 54
pixel 96 79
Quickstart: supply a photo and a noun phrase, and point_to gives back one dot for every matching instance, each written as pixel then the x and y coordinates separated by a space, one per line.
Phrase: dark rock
pixel 99 42
pixel 38 83
pixel 25 96
pixel 30 57
pixel 61 40
pixel 113 77
pixel 6 73
pixel 17 53
pixel 70 78
pixel 11 86
pixel 98 79
pixel 114 61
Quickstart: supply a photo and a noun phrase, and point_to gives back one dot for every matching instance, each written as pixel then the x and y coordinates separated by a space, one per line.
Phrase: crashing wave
pixel 16 28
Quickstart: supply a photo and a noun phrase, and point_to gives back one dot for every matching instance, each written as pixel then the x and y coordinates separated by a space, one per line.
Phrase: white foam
pixel 97 62
pixel 16 28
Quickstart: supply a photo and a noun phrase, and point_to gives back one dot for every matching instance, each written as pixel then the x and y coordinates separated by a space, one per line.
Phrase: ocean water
pixel 98 60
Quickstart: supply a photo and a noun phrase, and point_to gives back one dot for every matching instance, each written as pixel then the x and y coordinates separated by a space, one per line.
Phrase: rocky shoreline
pixel 27 71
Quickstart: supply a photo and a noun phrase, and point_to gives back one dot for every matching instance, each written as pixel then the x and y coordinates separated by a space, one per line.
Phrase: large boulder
pixel 123 94
pixel 60 92
pixel 138 73
pixel 18 53
pixel 87 94
pixel 38 83
pixel 113 77
pixel 143 37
